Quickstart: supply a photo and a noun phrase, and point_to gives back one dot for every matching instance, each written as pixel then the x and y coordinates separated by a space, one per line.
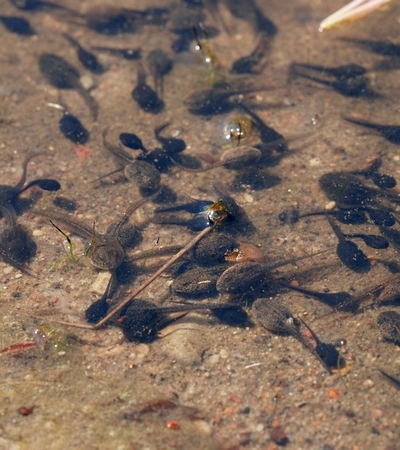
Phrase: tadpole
pixel 341 301
pixel 390 132
pixel 17 25
pixel 356 86
pixel 111 20
pixel 71 127
pixel 145 96
pixel 391 379
pixel 16 246
pixel 341 72
pixel 372 240
pixel 9 193
pixel 349 253
pixel 62 75
pixel 142 319
pixel 389 326
pixel 251 64
pixel 327 353
pixel 132 141
pixel 275 317
pixel 106 251
pixel 159 64
pixel 347 189
pixel 170 145
pixel 381 47
pixel 143 174
pixel 85 57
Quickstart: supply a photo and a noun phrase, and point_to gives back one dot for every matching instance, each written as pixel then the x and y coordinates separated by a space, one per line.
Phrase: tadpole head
pixel 96 311
pixel 140 321
pixel 48 184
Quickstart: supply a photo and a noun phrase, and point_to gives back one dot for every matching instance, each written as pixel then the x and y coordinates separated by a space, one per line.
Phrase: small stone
pixel 214 359
pixel 87 81
pixel 329 206
pixel 315 162
pixel 203 427
pixel 37 233
pixel 100 283
pixel 368 384
pixel 186 345
pixel 223 354
pixel 142 350
pixel 259 427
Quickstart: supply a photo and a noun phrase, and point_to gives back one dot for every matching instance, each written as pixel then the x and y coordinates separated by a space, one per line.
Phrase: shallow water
pixel 232 387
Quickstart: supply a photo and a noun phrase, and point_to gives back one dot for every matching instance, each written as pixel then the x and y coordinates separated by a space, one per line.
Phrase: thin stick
pixel 160 271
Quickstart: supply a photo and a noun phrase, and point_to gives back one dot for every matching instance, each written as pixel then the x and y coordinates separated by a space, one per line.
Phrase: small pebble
pixel 100 283
pixel 315 162
pixel 223 354
pixel 329 206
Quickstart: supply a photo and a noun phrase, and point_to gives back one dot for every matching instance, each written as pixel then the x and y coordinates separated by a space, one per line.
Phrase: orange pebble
pixel 173 425
pixel 82 151
pixel 334 393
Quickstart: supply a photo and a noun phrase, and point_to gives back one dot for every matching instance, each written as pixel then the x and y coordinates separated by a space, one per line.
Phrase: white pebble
pixel 315 162
pixel 329 206
pixel 100 283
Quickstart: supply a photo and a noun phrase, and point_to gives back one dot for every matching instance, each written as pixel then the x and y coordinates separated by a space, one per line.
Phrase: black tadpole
pixel 392 235
pixel 341 72
pixel 62 75
pixel 132 141
pixel 342 301
pixel 142 319
pixel 349 253
pixel 372 240
pixel 16 244
pixel 384 48
pixel 47 184
pixel 170 145
pixel 97 310
pixel 145 96
pixel 85 57
pixel 383 181
pixel 71 127
pixel 391 379
pixel 251 64
pixel 33 5
pixel 327 353
pixel 17 25
pixel 349 87
pixel 347 189
pixel 390 132
pixel 357 215
pixel 381 217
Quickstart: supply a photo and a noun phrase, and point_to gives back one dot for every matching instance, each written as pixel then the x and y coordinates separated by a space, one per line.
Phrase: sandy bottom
pixel 204 385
